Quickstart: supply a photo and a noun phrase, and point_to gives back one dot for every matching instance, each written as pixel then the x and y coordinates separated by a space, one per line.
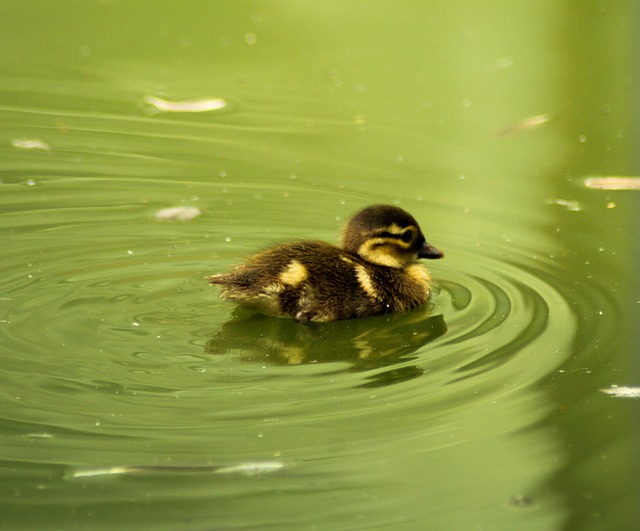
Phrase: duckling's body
pixel 374 272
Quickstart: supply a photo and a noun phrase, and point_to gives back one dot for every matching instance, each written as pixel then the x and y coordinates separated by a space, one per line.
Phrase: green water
pixel 131 396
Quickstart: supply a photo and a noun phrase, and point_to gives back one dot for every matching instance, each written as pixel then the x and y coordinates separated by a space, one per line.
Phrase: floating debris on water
pixel 613 183
pixel 178 213
pixel 251 468
pixel 573 206
pixel 622 392
pixel 95 472
pixel 30 143
pixel 203 105
pixel 521 501
pixel 525 125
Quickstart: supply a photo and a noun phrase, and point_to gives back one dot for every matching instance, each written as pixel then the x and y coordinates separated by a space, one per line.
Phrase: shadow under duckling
pixel 373 272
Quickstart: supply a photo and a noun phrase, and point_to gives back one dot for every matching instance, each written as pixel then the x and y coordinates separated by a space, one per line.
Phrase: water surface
pixel 132 395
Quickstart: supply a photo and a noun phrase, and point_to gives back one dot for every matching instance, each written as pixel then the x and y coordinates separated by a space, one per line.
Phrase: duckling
pixel 374 271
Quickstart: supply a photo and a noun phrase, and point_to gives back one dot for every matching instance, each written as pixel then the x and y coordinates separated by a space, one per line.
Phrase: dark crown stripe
pixel 389 235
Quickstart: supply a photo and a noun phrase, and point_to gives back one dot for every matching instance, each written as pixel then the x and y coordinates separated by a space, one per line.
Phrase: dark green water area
pixel 147 144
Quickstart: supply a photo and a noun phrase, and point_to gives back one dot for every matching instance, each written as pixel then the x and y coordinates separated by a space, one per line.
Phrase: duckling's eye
pixel 407 236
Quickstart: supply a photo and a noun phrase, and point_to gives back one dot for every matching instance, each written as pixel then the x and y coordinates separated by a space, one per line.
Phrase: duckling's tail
pixel 223 278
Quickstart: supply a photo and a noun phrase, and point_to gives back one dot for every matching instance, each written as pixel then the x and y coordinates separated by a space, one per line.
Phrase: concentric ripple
pixel 104 301
pixel 119 359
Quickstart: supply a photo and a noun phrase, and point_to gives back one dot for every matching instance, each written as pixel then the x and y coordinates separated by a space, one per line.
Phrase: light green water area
pixel 132 397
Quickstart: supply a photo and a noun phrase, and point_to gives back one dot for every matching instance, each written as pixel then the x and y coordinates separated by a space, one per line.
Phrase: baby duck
pixel 371 273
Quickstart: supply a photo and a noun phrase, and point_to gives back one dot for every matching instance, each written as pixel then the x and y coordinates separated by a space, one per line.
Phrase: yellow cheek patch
pixel 293 274
pixel 379 254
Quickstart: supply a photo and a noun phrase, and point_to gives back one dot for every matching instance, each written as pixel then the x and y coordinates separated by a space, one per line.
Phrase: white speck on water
pixel 181 213
pixel 202 105
pixel 613 183
pixel 250 38
pixel 622 391
pixel 527 124
pixel 504 62
pixel 569 204
pixel 252 468
pixel 30 143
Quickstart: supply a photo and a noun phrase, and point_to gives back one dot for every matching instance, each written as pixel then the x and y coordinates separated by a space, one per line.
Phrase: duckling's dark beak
pixel 429 251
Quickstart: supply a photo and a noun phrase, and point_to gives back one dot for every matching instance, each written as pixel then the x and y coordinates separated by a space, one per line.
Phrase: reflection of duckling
pixel 374 272
pixel 364 344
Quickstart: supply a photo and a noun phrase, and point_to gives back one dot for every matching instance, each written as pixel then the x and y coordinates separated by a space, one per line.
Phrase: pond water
pixel 148 144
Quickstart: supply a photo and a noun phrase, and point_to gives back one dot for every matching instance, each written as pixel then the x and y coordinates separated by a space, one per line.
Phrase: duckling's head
pixel 386 235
